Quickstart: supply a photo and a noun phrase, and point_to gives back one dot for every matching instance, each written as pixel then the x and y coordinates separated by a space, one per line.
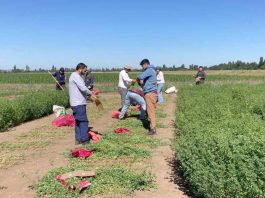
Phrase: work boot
pixel 77 142
pixel 152 132
pixel 86 142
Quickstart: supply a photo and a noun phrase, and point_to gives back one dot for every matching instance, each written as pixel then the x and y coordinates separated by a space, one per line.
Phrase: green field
pixel 220 129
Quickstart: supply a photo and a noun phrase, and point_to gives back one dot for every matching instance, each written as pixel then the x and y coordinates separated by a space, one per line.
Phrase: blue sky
pixel 42 33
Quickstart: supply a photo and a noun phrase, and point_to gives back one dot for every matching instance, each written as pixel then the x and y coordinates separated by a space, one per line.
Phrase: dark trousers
pixel 81 123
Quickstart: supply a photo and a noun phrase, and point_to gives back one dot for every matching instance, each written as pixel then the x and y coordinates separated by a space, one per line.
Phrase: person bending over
pixel 134 97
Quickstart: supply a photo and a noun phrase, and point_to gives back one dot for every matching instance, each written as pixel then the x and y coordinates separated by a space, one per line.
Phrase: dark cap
pixel 145 61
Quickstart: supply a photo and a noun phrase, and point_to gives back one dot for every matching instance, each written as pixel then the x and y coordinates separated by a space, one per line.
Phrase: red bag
pixel 122 130
pixel 95 92
pixel 81 153
pixel 115 114
pixel 65 120
pixel 92 135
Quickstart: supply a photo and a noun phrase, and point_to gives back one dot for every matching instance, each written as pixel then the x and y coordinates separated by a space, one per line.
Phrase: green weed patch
pixel 220 140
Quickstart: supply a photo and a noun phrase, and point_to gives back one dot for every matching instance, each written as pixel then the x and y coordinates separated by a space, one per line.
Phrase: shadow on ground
pixel 177 177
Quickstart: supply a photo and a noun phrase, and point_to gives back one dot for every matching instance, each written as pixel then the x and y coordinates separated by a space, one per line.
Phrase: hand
pixel 134 80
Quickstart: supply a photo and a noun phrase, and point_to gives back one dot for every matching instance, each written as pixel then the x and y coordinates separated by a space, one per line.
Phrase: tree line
pixel 232 65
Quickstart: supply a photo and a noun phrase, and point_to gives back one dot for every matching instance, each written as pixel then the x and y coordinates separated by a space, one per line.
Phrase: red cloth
pixel 95 91
pixel 139 92
pixel 64 120
pixel 93 136
pixel 82 184
pixel 115 114
pixel 81 153
pixel 122 130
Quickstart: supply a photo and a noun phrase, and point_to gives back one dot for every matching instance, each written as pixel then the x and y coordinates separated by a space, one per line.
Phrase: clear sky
pixel 42 33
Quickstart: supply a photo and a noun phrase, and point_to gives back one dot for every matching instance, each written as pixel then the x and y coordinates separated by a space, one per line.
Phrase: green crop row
pixel 220 140
pixel 112 77
pixel 30 106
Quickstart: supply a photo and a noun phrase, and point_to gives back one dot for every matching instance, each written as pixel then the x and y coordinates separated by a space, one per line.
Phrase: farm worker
pixel 124 81
pixel 78 93
pixel 200 76
pixel 134 97
pixel 150 92
pixel 60 77
pixel 89 79
pixel 160 84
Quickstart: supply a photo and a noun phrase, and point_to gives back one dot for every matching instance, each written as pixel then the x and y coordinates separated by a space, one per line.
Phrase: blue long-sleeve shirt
pixel 149 78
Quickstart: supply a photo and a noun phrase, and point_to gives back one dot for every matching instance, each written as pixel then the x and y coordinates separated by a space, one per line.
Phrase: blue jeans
pixel 81 123
pixel 133 99
pixel 160 92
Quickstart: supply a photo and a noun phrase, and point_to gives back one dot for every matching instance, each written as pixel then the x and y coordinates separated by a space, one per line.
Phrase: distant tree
pixel 164 67
pixel 27 68
pixel 14 68
pixel 182 66
pixel 53 68
pixel 261 61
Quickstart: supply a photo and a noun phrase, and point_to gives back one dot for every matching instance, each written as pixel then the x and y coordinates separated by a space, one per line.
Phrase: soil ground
pixel 163 157
pixel 18 179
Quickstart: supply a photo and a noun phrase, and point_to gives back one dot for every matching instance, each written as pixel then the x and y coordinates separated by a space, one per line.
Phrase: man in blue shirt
pixel 150 92
pixel 60 77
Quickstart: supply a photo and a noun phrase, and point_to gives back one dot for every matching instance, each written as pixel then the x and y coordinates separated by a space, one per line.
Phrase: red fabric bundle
pixel 95 92
pixel 81 153
pixel 65 120
pixel 122 130
pixel 115 114
pixel 82 184
pixel 93 136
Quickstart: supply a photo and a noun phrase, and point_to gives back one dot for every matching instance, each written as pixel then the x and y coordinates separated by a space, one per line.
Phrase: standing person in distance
pixel 78 93
pixel 160 85
pixel 124 82
pixel 60 77
pixel 89 79
pixel 200 76
pixel 150 92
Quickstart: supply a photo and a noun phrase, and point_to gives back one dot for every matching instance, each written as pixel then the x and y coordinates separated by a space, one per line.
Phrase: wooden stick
pixel 56 81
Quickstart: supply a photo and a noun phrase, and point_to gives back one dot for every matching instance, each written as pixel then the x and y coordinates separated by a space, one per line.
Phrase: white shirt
pixel 124 80
pixel 77 90
pixel 160 78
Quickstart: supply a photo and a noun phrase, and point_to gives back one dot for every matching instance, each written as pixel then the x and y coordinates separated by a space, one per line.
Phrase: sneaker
pixel 152 132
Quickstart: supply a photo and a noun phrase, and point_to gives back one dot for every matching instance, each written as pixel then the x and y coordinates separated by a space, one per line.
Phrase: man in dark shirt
pixel 60 77
pixel 200 76
pixel 89 79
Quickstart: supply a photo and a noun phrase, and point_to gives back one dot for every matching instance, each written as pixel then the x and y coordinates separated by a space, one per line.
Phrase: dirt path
pixel 162 158
pixel 17 181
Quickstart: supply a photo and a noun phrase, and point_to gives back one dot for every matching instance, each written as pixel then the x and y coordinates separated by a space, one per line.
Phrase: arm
pixel 126 78
pixel 159 77
pixel 144 75
pixel 82 87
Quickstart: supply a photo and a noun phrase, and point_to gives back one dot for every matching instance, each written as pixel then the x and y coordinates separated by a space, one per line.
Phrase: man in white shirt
pixel 78 93
pixel 160 85
pixel 124 82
